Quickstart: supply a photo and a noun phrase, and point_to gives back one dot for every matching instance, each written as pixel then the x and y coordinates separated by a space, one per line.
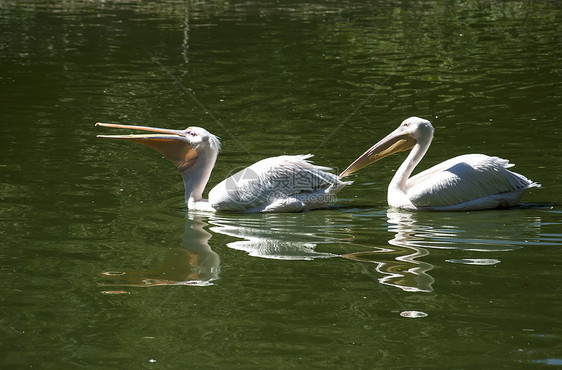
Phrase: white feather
pixel 278 184
pixel 464 178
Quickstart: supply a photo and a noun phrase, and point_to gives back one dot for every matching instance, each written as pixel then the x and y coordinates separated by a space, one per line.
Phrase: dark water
pixel 102 267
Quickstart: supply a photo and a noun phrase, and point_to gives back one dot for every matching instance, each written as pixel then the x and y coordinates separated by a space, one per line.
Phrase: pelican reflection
pixel 192 263
pixel 399 263
pixel 479 239
pixel 195 263
pixel 273 236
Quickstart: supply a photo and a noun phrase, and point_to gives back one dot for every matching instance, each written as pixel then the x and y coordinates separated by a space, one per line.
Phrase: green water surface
pixel 104 268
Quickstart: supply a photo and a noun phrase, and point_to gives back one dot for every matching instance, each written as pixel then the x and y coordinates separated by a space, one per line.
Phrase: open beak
pixel 172 144
pixel 397 141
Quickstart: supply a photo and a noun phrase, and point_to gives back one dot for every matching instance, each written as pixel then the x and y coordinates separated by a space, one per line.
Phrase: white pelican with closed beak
pixel 464 183
pixel 288 183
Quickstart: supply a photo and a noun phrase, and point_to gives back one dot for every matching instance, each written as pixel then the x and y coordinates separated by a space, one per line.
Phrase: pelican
pixel 464 183
pixel 288 183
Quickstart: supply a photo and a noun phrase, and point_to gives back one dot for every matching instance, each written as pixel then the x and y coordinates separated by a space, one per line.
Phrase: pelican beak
pixel 172 144
pixel 397 141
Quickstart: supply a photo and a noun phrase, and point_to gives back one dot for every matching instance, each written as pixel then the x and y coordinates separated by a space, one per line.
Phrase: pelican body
pixel 288 183
pixel 464 183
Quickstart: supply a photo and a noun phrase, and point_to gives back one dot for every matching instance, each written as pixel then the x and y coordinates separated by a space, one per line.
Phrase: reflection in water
pixel 416 232
pixel 475 261
pixel 271 235
pixel 194 263
pixel 398 263
pixel 296 237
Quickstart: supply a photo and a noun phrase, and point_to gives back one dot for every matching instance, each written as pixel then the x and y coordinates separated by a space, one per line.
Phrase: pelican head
pixel 202 140
pixel 182 147
pixel 410 132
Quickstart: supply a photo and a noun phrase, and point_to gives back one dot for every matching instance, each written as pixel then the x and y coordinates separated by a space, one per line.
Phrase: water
pixel 102 266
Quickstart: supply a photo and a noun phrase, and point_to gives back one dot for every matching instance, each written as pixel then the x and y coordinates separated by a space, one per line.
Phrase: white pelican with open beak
pixel 288 183
pixel 467 182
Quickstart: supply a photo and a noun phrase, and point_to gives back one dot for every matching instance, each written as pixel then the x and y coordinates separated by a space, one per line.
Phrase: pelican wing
pixel 464 178
pixel 277 180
